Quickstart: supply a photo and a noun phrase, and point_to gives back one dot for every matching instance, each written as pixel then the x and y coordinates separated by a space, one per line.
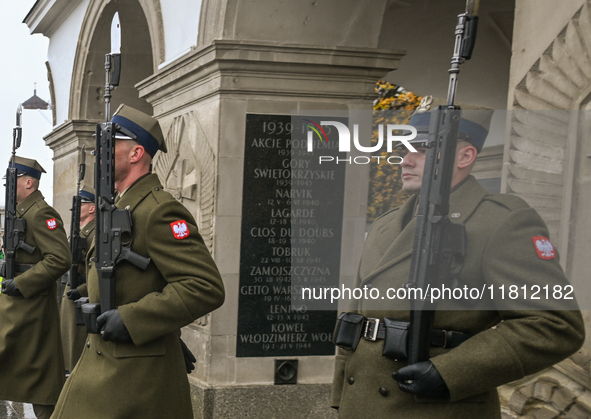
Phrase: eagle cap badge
pixel 180 230
pixel 425 104
pixel 52 224
pixel 544 248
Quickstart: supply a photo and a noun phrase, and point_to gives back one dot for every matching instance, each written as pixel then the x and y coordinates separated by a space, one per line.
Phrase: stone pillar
pixel 547 164
pixel 202 101
pixel 66 141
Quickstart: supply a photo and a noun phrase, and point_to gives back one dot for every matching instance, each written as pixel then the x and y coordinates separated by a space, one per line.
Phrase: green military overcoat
pixel 506 344
pixel 74 337
pixel 147 378
pixel 31 359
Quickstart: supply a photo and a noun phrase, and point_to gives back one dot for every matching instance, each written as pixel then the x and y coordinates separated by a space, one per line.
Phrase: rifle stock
pixel 433 247
pixel 77 243
pixel 14 227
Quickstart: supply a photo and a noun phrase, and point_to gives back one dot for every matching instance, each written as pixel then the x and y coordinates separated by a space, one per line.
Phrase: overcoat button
pixel 98 353
pixel 351 380
pixel 383 391
pixel 88 344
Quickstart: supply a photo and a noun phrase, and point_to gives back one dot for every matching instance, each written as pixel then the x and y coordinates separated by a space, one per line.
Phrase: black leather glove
pixel 421 379
pixel 189 357
pixel 73 294
pixel 112 328
pixel 9 288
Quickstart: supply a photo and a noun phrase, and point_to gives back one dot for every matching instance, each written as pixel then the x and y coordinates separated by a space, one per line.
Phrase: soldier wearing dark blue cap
pixel 87 195
pixel 31 359
pixel 474 124
pixel 73 336
pixel 136 367
pixel 29 167
pixel 480 349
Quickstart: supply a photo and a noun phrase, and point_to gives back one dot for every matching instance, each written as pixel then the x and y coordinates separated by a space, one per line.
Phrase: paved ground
pixel 10 410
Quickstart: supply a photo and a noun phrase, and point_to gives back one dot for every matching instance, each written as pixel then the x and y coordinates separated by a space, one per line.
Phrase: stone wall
pixel 546 164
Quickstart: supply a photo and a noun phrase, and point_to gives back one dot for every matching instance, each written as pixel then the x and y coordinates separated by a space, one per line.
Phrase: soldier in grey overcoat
pixel 136 368
pixel 74 336
pixel 31 359
pixel 507 244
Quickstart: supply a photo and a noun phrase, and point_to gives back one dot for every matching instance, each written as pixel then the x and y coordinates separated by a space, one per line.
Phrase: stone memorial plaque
pixel 292 215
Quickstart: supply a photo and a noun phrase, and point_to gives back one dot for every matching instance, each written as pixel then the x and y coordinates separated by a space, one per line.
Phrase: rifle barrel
pixel 472 7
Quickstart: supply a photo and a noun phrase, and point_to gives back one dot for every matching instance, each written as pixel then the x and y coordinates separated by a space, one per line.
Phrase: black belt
pixel 23 267
pixel 374 329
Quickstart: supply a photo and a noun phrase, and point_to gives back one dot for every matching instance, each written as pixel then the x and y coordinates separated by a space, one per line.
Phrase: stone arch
pixel 547 133
pixel 142 51
pixel 540 155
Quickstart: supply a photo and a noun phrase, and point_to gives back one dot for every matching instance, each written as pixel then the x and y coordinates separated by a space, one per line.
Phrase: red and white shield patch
pixel 51 224
pixel 544 248
pixel 180 230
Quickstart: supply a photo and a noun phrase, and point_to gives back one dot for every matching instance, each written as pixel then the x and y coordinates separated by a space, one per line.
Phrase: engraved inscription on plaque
pixel 292 213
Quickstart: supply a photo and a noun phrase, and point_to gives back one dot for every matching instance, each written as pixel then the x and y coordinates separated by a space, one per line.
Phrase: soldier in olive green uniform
pixel 73 336
pixel 460 379
pixel 137 369
pixel 31 359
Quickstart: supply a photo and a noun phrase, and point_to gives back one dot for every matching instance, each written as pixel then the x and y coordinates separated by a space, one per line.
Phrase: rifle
pixel 14 227
pixel 77 243
pixel 113 225
pixel 438 241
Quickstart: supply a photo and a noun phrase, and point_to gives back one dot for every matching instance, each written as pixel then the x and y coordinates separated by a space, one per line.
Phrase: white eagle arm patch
pixel 544 248
pixel 180 230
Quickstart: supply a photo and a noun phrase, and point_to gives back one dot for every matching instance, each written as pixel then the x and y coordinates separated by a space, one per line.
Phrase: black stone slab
pixel 292 213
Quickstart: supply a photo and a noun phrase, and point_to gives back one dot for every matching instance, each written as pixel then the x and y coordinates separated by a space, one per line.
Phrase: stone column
pixel 202 101
pixel 66 141
pixel 546 163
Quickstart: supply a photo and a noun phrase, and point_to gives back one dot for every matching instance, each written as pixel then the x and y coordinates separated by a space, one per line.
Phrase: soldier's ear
pixel 136 153
pixel 466 155
pixel 91 209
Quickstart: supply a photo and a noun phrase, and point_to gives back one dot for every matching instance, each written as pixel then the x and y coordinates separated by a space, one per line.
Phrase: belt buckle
pixel 371 333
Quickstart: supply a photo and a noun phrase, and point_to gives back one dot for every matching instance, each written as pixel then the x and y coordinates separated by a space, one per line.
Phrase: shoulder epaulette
pixel 509 201
pixel 388 212
pixel 160 195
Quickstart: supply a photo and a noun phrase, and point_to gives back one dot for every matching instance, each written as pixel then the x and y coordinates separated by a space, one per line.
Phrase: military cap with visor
pixel 141 127
pixel 25 166
pixel 474 125
pixel 87 194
